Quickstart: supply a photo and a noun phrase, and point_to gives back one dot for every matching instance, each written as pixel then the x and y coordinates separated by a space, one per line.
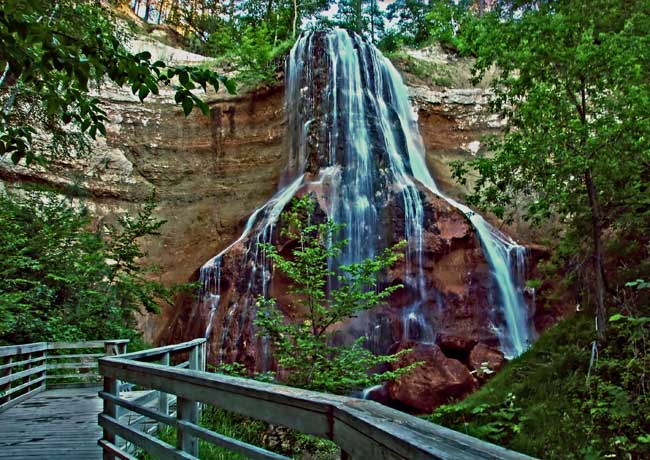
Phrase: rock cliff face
pixel 355 149
pixel 210 172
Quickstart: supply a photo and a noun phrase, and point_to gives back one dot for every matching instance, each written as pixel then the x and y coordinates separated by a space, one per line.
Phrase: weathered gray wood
pixel 16 389
pixel 53 425
pixel 148 443
pixel 14 350
pixel 116 451
pixel 85 376
pixel 156 353
pixel 411 437
pixel 183 365
pixel 187 410
pixel 77 365
pixel 79 356
pixel 364 429
pixel 112 387
pixel 87 344
pixel 215 438
pixel 5 373
pixel 24 362
pixel 262 401
pixel 231 444
pixel 19 375
pixel 163 400
pixel 19 399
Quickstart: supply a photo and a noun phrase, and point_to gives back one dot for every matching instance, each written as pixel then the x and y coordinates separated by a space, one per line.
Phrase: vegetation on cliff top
pixel 574 82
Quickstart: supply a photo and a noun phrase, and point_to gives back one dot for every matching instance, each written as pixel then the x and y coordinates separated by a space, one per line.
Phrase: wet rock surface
pixel 211 172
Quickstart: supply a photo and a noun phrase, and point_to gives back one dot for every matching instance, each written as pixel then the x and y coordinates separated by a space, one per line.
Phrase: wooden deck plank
pixel 55 424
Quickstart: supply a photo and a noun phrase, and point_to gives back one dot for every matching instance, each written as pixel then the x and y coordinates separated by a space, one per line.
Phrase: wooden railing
pixel 24 368
pixel 362 429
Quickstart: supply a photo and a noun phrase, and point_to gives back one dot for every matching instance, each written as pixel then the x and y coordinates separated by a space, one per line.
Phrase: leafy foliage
pixel 302 348
pixel 549 404
pixel 252 51
pixel 50 54
pixel 574 83
pixel 493 422
pixel 61 281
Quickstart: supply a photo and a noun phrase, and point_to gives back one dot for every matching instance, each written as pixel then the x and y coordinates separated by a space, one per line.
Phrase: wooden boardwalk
pixel 55 424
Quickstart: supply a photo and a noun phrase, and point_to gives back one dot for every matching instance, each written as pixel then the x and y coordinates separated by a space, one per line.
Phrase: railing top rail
pixel 12 350
pixel 350 422
pixel 161 351
pixel 21 349
pixel 85 344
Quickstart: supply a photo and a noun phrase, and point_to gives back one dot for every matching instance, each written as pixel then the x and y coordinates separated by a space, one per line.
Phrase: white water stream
pixel 372 145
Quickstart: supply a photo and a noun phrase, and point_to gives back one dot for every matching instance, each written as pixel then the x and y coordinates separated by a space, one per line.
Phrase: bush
pixel 61 281
pixel 555 402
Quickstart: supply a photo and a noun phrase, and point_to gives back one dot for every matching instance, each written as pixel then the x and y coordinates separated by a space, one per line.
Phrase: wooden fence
pixel 362 429
pixel 26 370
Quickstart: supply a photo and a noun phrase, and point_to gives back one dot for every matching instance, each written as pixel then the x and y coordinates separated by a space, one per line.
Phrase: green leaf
pixel 143 93
pixel 616 317
pixel 187 105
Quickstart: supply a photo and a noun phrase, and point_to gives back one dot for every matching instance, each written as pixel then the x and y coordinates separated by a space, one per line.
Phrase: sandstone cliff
pixel 210 172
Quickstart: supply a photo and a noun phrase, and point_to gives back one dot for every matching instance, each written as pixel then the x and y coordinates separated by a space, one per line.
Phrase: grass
pixel 540 404
pixel 276 439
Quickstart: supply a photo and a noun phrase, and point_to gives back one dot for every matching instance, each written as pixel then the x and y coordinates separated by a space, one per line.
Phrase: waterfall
pixel 352 129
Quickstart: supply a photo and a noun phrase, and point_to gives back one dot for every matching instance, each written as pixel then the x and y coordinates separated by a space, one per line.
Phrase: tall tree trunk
pixel 231 13
pixel 295 17
pixel 269 10
pixel 147 11
pixel 481 7
pixel 161 8
pixel 596 219
pixel 597 234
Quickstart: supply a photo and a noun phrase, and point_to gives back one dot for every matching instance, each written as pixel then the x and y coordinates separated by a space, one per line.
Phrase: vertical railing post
pixel 188 410
pixel 114 349
pixel 204 355
pixel 44 363
pixel 28 379
pixel 111 386
pixel 4 373
pixel 163 399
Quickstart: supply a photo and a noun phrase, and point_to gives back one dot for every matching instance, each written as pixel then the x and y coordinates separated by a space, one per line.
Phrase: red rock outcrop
pixel 435 381
pixel 485 361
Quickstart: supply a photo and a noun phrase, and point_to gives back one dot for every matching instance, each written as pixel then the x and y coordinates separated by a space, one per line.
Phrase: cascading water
pixel 353 133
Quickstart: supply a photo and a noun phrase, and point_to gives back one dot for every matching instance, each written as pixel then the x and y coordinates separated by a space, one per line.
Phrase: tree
pixel 350 16
pixel 574 83
pixel 451 23
pixel 62 281
pixel 52 51
pixel 302 348
pixel 411 20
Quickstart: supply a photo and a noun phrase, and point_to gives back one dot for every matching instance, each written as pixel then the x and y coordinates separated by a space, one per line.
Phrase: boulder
pixel 485 360
pixel 434 382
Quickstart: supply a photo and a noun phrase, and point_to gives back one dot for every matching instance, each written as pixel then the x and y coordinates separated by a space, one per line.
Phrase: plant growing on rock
pixel 303 348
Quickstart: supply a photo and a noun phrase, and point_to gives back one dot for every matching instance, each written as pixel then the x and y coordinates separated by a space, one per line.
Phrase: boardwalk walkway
pixel 55 424
pixel 142 390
